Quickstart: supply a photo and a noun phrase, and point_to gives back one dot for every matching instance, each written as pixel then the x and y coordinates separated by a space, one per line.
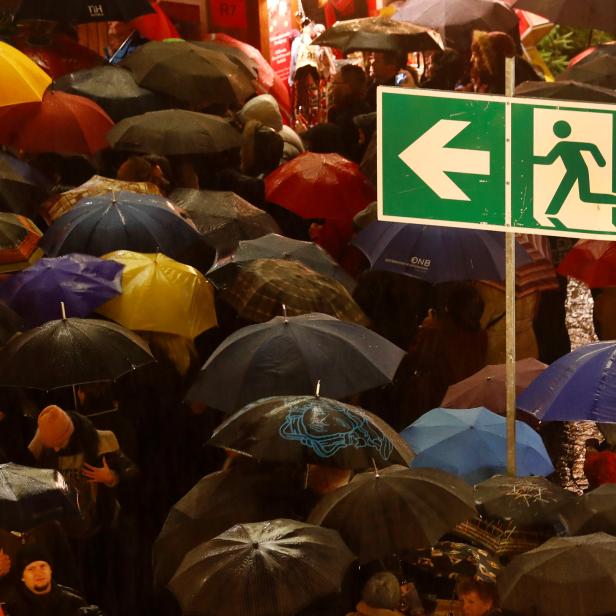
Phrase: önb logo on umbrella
pixel 327 434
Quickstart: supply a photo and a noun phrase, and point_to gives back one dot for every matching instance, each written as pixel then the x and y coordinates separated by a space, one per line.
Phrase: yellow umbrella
pixel 161 295
pixel 22 80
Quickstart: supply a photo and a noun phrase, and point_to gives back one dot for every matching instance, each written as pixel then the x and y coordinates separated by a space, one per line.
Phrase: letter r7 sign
pixel 491 162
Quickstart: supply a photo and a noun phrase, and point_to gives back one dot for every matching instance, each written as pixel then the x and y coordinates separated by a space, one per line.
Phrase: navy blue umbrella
pixel 126 220
pixel 436 254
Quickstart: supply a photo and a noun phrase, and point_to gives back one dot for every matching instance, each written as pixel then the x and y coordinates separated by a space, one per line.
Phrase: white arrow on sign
pixel 428 157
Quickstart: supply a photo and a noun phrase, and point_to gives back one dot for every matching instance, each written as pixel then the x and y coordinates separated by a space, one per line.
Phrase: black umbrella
pixel 607 49
pixel 526 502
pixel 243 493
pixel 377 33
pixel 10 323
pixel 71 352
pixel 600 71
pixel 288 356
pixel 126 220
pixel 312 430
pixel 22 189
pixel 599 14
pixel 32 496
pixel 567 91
pixel 114 89
pixel 593 512
pixel 223 217
pixel 237 56
pixel 174 132
pixel 566 576
pixel 261 569
pixel 387 512
pixel 82 11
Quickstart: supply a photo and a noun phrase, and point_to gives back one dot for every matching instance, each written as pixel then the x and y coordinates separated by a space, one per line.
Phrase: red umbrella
pixel 155 26
pixel 592 262
pixel 61 123
pixel 320 186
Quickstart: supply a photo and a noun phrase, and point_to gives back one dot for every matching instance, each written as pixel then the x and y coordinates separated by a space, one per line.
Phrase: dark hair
pixel 394 57
pixel 84 439
pixel 353 75
pixel 447 69
pixel 464 306
pixel 485 590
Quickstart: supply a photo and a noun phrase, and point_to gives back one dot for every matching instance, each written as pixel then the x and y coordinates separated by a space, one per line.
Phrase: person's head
pixel 262 148
pixel 55 427
pixel 34 565
pixel 446 69
pixel 464 306
pixel 324 139
pixel 178 350
pixel 382 591
pixel 488 53
pixel 386 64
pixel 140 169
pixel 477 597
pixel 349 85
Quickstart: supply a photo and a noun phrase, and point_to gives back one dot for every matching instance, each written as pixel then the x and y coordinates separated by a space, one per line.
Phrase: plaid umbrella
pixel 264 285
pixel 19 242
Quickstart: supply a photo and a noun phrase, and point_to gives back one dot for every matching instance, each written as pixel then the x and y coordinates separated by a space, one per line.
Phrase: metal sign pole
pixel 510 304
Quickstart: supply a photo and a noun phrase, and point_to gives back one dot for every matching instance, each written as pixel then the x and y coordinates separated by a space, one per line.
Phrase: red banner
pixel 280 28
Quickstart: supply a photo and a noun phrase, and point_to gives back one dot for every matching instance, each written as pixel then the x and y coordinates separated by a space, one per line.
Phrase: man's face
pixel 381 69
pixel 37 577
pixel 474 605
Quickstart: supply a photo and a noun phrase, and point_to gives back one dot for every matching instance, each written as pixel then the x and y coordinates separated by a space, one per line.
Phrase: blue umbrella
pixel 436 254
pixel 126 220
pixel 82 282
pixel 472 443
pixel 580 385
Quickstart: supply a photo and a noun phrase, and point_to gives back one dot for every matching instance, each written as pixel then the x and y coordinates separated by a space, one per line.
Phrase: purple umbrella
pixel 82 282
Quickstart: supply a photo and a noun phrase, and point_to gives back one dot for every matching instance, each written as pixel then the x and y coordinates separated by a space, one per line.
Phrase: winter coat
pixel 363 609
pixel 60 601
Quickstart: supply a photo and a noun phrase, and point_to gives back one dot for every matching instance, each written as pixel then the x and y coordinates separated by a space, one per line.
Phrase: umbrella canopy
pixel 377 33
pixel 577 386
pixel 436 254
pixel 472 443
pixel 61 123
pixel 289 356
pixel 566 576
pixel 10 323
pixel 83 351
pixel 312 430
pixel 592 52
pixel 456 20
pixel 600 14
pixel 161 295
pixel 488 386
pixel 189 73
pixel 599 71
pixel 319 186
pixel 82 282
pixel 594 512
pixel 174 132
pixel 28 81
pixel 82 11
pixel 22 188
pixel 19 242
pixel 567 91
pixel 32 496
pixel 275 246
pixel 126 221
pixel 217 502
pixel 387 512
pixel 223 217
pixel 591 261
pixel 263 286
pixel 526 502
pixel 275 567
pixel 155 26
pixel 114 89
pixel 236 55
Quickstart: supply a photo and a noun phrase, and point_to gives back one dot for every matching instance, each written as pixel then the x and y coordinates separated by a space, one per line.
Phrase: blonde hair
pixel 180 351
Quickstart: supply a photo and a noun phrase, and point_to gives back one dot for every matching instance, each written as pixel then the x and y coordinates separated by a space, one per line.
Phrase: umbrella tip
pixel 63 311
pixel 318 388
pixel 113 197
pixel 284 313
pixel 376 470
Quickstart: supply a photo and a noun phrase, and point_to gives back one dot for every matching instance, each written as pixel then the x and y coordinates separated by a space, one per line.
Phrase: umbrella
pixel 82 282
pixel 472 443
pixel 390 511
pixel 96 185
pixel 319 186
pixel 82 11
pixel 223 217
pixel 312 430
pixel 249 66
pixel 218 501
pixel 456 20
pixel 289 356
pixel 577 386
pixel 114 89
pixel 594 512
pixel 599 71
pixel 61 123
pixel 78 351
pixel 275 246
pixel 189 73
pixel 264 285
pixel 487 387
pixel 526 502
pixel 599 14
pixel 566 576
pixel 436 254
pixel 27 81
pixel 10 323
pixel 567 91
pixel 19 242
pixel 274 567
pixel 22 188
pixel 377 33
pixel 32 496
pixel 155 26
pixel 173 132
pixel 591 261
pixel 126 221
pixel 161 295
pixel 592 52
